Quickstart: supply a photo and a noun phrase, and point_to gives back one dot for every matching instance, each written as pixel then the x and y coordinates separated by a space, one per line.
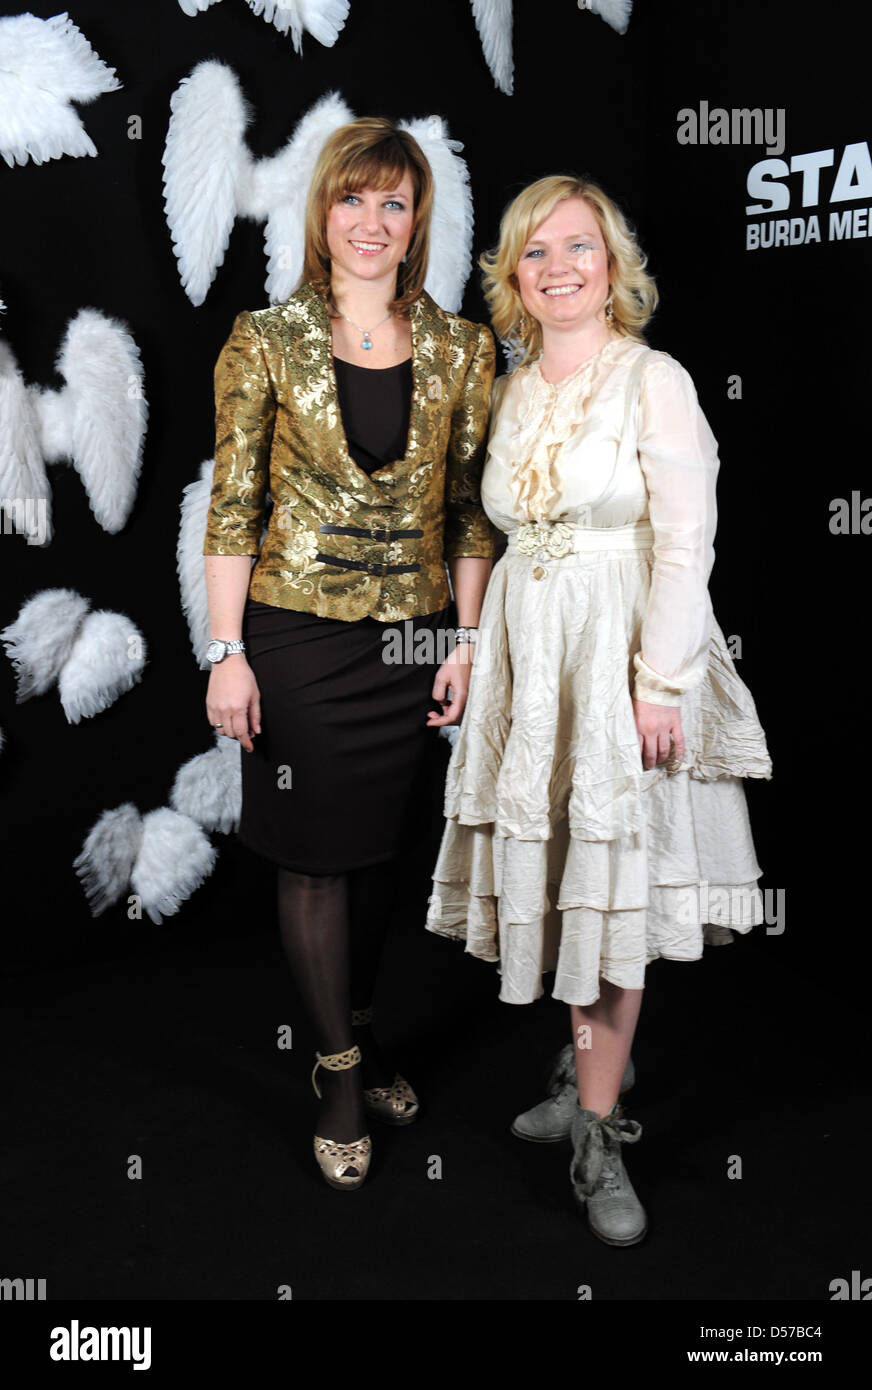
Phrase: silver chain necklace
pixel 366 340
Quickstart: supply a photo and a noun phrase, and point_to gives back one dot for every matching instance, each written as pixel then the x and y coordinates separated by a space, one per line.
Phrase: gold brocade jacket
pixel 341 543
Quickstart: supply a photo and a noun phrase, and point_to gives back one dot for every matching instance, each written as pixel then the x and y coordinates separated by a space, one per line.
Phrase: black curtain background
pixel 788 321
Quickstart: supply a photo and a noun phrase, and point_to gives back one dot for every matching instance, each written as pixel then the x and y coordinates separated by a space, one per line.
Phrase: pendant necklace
pixel 366 340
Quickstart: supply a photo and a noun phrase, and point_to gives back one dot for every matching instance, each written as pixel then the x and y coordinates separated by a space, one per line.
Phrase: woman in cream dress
pixel 596 817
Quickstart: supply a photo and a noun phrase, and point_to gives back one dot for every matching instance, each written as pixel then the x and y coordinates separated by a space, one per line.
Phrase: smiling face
pixel 368 232
pixel 562 272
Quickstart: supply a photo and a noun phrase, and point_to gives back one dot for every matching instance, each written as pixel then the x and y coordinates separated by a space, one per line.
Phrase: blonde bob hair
pixel 633 292
pixel 371 152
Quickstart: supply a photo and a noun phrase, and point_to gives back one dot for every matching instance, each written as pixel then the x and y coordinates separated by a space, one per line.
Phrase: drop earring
pixel 610 312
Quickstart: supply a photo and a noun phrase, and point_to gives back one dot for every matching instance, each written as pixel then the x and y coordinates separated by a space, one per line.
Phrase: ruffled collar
pixel 548 413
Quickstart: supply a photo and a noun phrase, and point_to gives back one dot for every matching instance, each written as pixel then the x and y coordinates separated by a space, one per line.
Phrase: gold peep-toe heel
pixel 333 1158
pixel 396 1104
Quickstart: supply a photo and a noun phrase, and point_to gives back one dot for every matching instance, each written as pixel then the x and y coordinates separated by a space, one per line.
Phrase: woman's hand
pixel 233 699
pixel 455 672
pixel 655 724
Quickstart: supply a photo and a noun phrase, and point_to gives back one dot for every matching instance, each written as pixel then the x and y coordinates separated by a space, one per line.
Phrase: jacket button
pixel 539 572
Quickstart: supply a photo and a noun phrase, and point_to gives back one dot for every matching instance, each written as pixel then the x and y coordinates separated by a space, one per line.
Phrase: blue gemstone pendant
pixel 367 342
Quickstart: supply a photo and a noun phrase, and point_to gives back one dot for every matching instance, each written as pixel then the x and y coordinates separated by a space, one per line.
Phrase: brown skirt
pixel 330 785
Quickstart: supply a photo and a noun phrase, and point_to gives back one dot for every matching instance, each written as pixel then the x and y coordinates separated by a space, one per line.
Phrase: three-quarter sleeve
pixel 245 410
pixel 468 530
pixel 679 458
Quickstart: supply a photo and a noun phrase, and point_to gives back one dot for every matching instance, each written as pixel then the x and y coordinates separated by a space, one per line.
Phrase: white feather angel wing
pixel 98 419
pixel 278 190
pixel 208 787
pixel 41 639
pixel 210 178
pixel 190 561
pixel 493 20
pixel 45 64
pixel 107 659
pixel 25 492
pixel 614 12
pixel 204 161
pixel 451 227
pixel 324 19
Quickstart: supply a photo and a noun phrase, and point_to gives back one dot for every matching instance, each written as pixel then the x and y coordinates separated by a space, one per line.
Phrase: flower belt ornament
pixel 553 536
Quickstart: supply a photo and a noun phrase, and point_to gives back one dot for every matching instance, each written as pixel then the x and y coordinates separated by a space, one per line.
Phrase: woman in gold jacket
pixel 359 409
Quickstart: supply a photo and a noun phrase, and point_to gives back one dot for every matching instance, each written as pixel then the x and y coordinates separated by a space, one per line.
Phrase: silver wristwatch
pixel 465 634
pixel 218 649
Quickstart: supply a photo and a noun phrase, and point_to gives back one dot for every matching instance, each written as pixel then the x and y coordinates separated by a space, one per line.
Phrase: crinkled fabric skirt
pixel 559 851
pixel 331 783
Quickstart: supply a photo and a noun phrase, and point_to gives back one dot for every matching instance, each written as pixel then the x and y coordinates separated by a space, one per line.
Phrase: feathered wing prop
pixel 615 12
pixel 208 787
pixel 493 20
pixel 190 560
pixel 45 64
pixel 25 492
pixel 97 421
pixel 210 178
pixel 163 857
pixel 451 227
pixel 94 657
pixel 323 19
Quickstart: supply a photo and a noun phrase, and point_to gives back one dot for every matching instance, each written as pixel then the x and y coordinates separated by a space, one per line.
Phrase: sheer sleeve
pixel 245 410
pixel 679 458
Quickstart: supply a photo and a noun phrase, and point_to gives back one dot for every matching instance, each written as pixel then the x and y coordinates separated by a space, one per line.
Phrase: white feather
pixel 210 178
pixel 25 492
pixel 204 161
pixel 190 561
pixel 98 419
pixel 174 858
pixel 451 227
pixel 513 351
pixel 278 188
pixel 451 732
pixel 42 637
pixel 208 787
pixel 493 20
pixel 323 19
pixel 45 64
pixel 107 659
pixel 614 12
pixel 108 855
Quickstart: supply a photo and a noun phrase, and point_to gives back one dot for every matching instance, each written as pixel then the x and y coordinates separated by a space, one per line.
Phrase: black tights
pixel 333 928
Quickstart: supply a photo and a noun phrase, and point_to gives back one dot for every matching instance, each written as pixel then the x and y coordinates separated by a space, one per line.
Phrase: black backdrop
pixel 789 321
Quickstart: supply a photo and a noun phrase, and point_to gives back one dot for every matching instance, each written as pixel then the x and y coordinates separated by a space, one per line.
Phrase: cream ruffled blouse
pixel 554 454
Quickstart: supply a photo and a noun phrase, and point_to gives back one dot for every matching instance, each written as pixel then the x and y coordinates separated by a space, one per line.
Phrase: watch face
pixel 215 650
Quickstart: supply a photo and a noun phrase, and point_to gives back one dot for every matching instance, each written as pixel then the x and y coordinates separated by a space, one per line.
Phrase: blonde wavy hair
pixel 634 294
pixel 371 152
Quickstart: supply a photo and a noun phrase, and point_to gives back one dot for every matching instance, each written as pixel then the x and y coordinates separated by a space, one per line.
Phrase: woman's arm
pixel 244 421
pixel 232 696
pixel 469 535
pixel 678 456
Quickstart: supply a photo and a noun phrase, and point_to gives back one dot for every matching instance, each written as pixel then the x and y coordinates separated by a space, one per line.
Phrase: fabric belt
pixel 558 538
pixel 371 566
pixel 375 533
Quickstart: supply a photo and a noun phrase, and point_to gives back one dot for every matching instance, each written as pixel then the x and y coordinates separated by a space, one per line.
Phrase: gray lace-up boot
pixel 599 1178
pixel 551 1120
